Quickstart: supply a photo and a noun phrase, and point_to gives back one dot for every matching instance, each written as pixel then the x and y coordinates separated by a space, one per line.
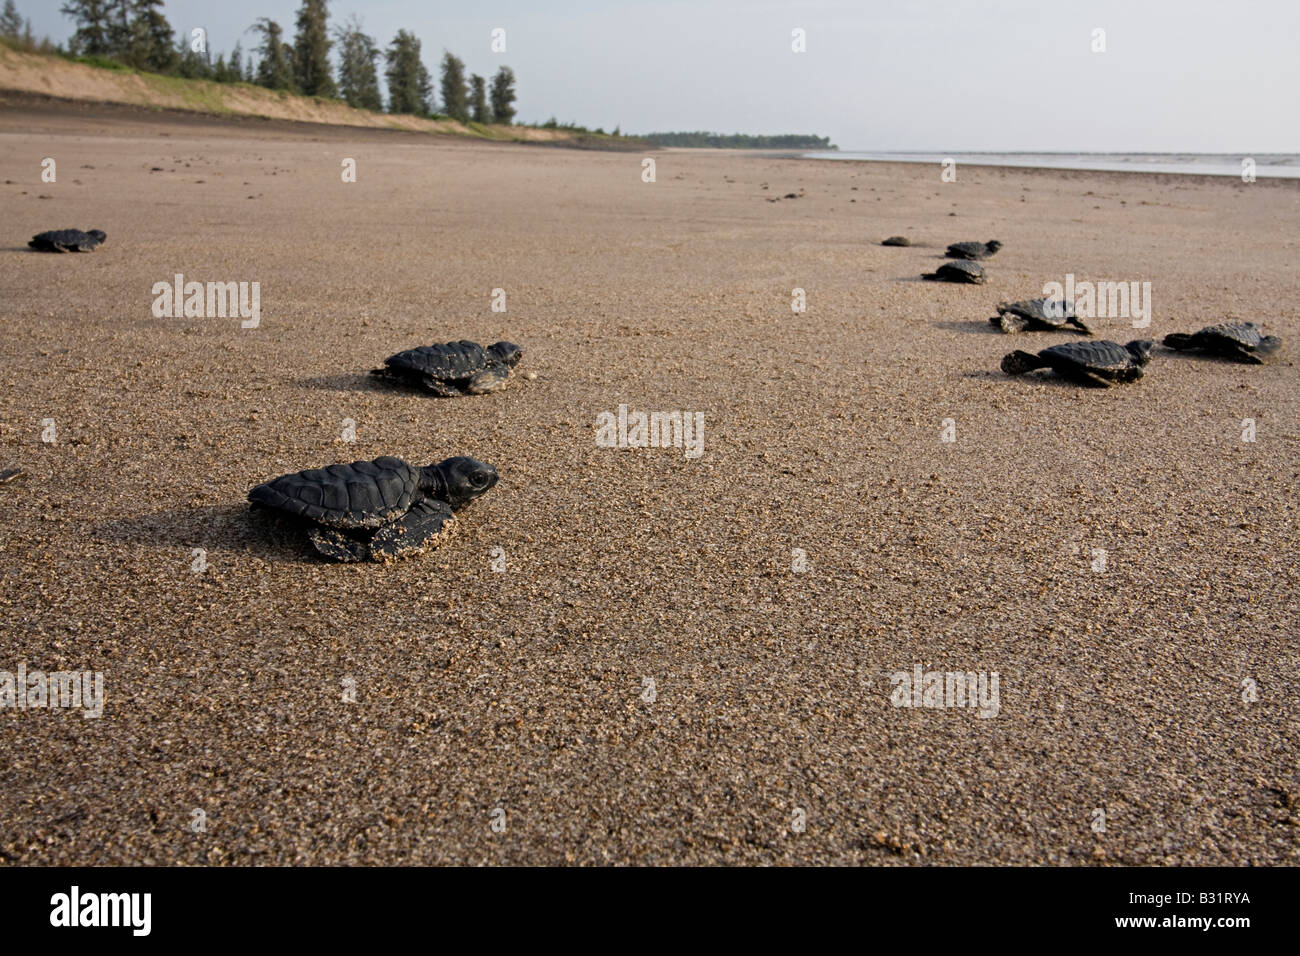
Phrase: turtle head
pixel 993 245
pixel 1140 349
pixel 505 353
pixel 458 481
pixel 99 234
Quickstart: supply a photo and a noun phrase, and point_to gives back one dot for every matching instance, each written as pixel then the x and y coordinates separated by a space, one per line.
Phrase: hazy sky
pixel 944 75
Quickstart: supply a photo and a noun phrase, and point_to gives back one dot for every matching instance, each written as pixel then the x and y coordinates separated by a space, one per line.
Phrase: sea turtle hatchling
pixel 973 250
pixel 1098 364
pixel 68 240
pixel 377 510
pixel 1050 314
pixel 897 241
pixel 1242 341
pixel 457 368
pixel 960 271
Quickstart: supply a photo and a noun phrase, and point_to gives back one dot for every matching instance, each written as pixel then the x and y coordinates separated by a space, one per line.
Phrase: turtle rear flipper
pixel 421 528
pixel 337 546
pixel 395 376
pixel 491 379
pixel 1019 362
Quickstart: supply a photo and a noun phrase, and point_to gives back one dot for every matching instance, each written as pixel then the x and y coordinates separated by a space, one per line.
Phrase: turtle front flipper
pixel 491 379
pixel 438 387
pixel 1180 341
pixel 337 546
pixel 421 528
pixel 1092 380
pixel 1079 324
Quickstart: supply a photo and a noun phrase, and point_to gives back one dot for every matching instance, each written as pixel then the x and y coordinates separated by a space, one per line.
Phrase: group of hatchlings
pixel 1095 363
pixel 386 509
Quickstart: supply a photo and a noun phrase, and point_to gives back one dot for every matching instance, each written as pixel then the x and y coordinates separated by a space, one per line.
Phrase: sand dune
pixel 64 79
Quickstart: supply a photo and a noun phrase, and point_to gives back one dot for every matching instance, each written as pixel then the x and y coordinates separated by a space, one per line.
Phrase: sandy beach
pixel 650 680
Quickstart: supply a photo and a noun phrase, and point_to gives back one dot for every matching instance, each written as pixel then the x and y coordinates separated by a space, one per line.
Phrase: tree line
pixel 136 33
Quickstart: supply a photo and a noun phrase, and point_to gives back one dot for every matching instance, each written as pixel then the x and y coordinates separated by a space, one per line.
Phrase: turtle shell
pixel 59 240
pixel 1053 312
pixel 972 250
pixel 452 362
pixel 961 271
pixel 1245 334
pixel 1095 356
pixel 363 494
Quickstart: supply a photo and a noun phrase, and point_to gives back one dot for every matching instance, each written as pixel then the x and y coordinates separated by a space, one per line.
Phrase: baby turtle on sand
pixel 1242 341
pixel 457 368
pixel 973 250
pixel 68 240
pixel 377 510
pixel 897 241
pixel 1098 364
pixel 959 271
pixel 1036 314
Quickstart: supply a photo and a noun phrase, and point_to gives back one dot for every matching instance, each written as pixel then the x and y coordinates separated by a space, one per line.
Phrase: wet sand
pixel 768 734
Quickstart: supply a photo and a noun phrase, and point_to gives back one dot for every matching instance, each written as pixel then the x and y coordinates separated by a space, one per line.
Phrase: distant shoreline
pixel 1281 166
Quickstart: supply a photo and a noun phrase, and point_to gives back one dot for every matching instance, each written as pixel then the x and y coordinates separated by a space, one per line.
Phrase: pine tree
pixel 358 80
pixel 455 99
pixel 410 88
pixel 151 38
pixel 274 71
pixel 478 99
pixel 11 24
pixel 236 69
pixel 190 64
pixel 92 18
pixel 119 34
pixel 503 96
pixel 311 50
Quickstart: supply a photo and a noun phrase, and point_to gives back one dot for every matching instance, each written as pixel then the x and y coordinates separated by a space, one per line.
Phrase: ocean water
pixel 1267 165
